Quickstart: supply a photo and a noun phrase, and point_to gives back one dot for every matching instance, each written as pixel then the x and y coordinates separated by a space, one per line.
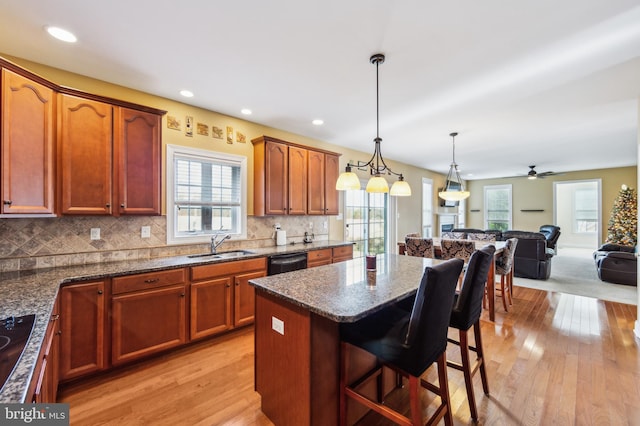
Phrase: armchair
pixel 551 233
pixel 616 264
pixel 532 259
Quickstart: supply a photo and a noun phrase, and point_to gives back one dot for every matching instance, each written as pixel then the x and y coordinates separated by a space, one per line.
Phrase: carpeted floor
pixel 573 271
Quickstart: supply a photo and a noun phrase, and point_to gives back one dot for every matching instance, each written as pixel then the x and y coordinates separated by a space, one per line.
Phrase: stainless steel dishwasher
pixel 280 263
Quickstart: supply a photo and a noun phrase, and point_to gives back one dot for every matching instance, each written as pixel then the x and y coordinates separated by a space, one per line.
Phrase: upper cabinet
pixel 27 146
pixel 293 179
pixel 107 151
pixel 85 151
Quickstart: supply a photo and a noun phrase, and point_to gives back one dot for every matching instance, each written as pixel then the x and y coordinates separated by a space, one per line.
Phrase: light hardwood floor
pixel 553 359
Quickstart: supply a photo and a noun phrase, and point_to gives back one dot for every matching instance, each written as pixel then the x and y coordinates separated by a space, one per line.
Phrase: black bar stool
pixel 466 314
pixel 408 342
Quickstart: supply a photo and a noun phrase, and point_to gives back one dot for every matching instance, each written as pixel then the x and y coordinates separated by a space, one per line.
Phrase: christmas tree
pixel 623 223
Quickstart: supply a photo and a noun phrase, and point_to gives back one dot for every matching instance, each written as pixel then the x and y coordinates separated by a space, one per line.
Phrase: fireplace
pixel 446 222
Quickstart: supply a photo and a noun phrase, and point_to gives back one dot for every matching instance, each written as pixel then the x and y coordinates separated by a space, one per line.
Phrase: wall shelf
pixel 474 210
pixel 531 210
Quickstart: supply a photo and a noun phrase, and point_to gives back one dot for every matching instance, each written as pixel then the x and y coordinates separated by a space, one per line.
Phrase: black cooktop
pixel 14 334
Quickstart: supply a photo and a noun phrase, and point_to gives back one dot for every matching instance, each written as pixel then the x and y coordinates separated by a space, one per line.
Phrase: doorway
pixel 578 213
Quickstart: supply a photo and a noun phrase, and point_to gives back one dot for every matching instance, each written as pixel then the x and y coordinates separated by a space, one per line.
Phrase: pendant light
pixel 454 189
pixel 376 165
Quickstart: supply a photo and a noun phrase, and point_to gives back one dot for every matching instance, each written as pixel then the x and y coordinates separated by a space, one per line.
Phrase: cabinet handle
pixel 122 206
pixel 228 285
pixel 108 205
pixel 59 332
pixel 181 294
pixel 152 280
pixel 55 317
pixel 99 291
pixel 7 202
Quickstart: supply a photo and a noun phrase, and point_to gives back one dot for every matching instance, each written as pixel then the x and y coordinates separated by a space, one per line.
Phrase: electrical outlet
pixel 325 225
pixel 95 233
pixel 310 225
pixel 145 232
pixel 277 325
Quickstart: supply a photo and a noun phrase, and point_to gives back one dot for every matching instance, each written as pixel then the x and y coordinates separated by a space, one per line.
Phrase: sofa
pixel 534 251
pixel 616 264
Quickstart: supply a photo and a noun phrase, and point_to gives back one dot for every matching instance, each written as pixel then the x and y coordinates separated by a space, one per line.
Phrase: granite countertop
pixel 342 292
pixel 35 291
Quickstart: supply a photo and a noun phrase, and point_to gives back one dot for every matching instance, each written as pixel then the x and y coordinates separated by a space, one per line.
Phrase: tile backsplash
pixel 51 242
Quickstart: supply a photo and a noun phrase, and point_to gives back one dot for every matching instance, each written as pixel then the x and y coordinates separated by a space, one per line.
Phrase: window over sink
pixel 206 194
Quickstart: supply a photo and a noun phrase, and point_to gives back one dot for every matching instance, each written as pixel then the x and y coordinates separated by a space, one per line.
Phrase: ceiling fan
pixel 535 175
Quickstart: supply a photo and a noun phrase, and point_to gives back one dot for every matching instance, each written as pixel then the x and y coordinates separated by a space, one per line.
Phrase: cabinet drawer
pixel 227 268
pixel 342 253
pixel 318 255
pixel 148 280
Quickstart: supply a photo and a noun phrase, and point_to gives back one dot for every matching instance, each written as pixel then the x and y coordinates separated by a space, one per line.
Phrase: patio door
pixel 366 221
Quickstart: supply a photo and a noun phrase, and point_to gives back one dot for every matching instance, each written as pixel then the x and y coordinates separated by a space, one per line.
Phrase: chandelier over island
pixel 376 165
pixel 454 187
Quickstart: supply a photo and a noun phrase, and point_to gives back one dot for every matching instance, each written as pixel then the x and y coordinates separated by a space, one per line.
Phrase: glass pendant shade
pixel 454 189
pixel 450 194
pixel 348 181
pixel 377 184
pixel 400 188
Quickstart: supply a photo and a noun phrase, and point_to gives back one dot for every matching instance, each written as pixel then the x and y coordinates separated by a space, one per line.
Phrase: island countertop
pixel 35 292
pixel 342 292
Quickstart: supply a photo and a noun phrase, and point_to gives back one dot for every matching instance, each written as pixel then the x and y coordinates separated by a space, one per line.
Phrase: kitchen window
pixel 206 194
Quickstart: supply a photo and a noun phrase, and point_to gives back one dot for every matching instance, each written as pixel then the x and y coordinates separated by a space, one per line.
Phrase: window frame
pixel 488 188
pixel 210 156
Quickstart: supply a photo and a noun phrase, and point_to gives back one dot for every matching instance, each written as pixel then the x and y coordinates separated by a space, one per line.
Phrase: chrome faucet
pixel 215 244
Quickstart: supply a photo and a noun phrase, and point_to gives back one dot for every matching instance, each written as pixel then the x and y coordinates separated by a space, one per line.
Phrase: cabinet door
pixel 297 199
pixel 276 178
pixel 27 146
pixel 145 322
pixel 85 156
pixel 82 317
pixel 245 298
pixel 331 172
pixel 210 307
pixel 315 183
pixel 137 158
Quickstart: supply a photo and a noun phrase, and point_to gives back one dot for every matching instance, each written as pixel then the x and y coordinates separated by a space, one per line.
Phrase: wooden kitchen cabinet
pixel 323 174
pixel 148 314
pixel 342 253
pixel 291 178
pixel 214 307
pixel 318 257
pixel 85 153
pixel 137 168
pixel 83 313
pixel 27 145
pixel 44 383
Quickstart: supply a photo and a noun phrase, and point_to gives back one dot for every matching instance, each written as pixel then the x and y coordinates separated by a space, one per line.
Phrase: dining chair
pixel 465 315
pixel 504 268
pixel 407 342
pixel 420 247
pixel 481 237
pixel 460 249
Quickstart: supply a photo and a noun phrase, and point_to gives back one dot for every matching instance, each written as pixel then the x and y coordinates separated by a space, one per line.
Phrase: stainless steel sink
pixel 235 253
pixel 224 255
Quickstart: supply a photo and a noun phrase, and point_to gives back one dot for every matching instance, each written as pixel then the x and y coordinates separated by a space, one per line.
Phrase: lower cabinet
pixel 83 310
pixel 318 257
pixel 215 307
pixel 342 253
pixel 148 314
pixel 44 384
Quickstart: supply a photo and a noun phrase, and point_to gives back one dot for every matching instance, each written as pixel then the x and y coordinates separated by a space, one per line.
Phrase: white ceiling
pixel 541 82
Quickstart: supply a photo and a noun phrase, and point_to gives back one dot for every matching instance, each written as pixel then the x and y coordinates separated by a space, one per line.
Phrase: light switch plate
pixel 95 233
pixel 145 232
pixel 277 325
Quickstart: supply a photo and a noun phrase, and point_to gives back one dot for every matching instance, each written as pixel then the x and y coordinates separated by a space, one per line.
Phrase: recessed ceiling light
pixel 317 122
pixel 186 93
pixel 245 111
pixel 62 34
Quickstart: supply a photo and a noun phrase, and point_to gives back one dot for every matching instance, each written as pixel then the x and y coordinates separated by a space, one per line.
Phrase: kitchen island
pixel 297 339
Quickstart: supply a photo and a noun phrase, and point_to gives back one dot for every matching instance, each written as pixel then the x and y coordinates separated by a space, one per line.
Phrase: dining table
pixel 491 276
